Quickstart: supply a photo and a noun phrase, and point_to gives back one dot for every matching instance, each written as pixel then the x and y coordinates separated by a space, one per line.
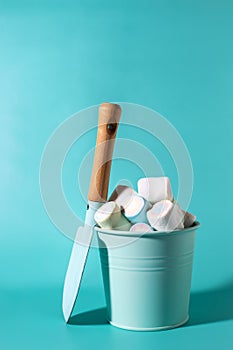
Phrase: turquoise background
pixel 57 57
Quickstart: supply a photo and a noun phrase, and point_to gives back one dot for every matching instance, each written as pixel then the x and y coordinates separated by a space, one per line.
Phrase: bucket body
pixel 147 277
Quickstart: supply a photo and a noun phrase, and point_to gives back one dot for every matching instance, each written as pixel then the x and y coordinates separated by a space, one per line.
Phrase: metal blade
pixel 78 260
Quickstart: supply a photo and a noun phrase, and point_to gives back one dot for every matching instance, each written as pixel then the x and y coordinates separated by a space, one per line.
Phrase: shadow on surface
pixel 92 317
pixel 211 305
pixel 205 307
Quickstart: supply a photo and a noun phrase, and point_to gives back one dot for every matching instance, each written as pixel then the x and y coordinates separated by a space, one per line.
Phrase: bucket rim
pixel 194 227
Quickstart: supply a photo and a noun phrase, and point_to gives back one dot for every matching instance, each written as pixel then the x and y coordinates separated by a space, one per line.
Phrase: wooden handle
pixel 109 116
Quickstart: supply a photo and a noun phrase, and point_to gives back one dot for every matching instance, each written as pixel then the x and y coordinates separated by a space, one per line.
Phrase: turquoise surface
pixel 57 57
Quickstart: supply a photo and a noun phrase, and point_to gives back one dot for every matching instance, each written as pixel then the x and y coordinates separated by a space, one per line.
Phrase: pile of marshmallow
pixel 152 208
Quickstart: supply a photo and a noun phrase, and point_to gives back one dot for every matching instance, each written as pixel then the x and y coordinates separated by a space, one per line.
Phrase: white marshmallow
pixel 141 227
pixel 109 216
pixel 166 216
pixel 135 208
pixel 155 189
pixel 122 195
pixel 189 219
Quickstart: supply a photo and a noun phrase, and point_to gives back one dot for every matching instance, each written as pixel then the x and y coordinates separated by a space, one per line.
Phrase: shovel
pixel 109 116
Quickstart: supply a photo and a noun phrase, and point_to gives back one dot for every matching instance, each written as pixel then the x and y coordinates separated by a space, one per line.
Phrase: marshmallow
pixel 109 216
pixel 166 216
pixel 135 208
pixel 122 195
pixel 141 227
pixel 189 219
pixel 155 189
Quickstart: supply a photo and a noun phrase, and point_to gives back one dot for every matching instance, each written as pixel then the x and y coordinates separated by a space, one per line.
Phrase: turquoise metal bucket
pixel 147 277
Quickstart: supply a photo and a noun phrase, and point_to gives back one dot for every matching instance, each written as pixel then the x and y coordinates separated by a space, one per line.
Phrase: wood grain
pixel 109 117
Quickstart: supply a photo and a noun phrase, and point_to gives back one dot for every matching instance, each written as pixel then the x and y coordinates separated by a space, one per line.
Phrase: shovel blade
pixel 78 259
pixel 75 269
